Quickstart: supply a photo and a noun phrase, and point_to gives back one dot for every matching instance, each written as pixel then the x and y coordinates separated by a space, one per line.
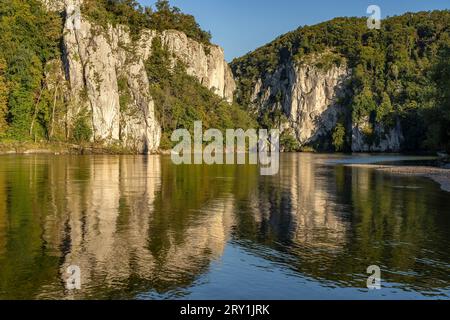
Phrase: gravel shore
pixel 440 175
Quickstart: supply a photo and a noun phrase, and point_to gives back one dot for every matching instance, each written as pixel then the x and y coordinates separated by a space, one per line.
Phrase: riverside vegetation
pixel 30 103
pixel 400 73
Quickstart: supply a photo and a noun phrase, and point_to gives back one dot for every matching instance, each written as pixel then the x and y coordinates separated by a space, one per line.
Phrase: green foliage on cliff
pixel 29 39
pixel 82 131
pixel 130 13
pixel 4 92
pixel 288 142
pixel 441 75
pixel 392 68
pixel 339 137
pixel 181 100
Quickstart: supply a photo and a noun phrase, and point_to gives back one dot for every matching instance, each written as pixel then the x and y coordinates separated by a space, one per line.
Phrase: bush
pixel 289 143
pixel 339 137
pixel 82 132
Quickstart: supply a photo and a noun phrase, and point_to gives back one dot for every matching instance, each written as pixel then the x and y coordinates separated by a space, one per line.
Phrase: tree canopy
pixel 392 68
pixel 29 39
pixel 130 13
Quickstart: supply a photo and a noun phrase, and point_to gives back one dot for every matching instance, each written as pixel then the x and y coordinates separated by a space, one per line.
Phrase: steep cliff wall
pixel 95 62
pixel 382 139
pixel 310 95
pixel 307 96
pixel 206 63
pixel 105 70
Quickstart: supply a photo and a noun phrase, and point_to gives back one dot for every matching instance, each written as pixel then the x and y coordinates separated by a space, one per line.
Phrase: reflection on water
pixel 140 227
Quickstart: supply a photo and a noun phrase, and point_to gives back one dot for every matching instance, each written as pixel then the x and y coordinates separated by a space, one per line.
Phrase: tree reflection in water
pixel 141 224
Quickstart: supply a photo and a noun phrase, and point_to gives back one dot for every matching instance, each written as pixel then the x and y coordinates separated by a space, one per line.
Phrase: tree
pixel 339 137
pixel 130 13
pixel 3 98
pixel 442 79
pixel 163 6
pixel 385 108
pixel 82 131
pixel 363 104
pixel 288 142
pixel 29 38
pixel 158 65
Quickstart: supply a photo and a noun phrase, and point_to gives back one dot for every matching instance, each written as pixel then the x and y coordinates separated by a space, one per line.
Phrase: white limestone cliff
pixel 102 66
pixel 306 94
pixel 309 97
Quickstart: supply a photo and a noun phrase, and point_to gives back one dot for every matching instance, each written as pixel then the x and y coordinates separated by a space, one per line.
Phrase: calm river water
pixel 142 228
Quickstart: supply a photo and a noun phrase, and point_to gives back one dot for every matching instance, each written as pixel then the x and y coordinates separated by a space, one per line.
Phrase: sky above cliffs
pixel 240 26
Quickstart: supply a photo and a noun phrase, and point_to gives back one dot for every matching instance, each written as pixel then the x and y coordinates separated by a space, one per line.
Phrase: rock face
pixel 307 95
pixel 105 70
pixel 389 139
pixel 56 5
pixel 309 98
pixel 206 63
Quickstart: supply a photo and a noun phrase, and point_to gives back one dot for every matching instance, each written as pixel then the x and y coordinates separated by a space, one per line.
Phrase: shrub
pixel 82 132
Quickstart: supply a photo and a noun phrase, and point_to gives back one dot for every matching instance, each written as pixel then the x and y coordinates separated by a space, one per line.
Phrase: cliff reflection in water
pixel 142 226
pixel 332 222
pixel 115 219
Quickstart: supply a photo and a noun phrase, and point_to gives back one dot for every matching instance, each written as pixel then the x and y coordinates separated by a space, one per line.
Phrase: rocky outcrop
pixel 306 94
pixel 381 139
pixel 309 96
pixel 96 61
pixel 205 62
pixel 56 5
pixel 105 71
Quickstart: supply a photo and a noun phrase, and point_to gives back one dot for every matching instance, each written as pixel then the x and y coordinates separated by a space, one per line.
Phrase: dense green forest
pixel 29 38
pixel 399 72
pixel 30 43
pixel 137 17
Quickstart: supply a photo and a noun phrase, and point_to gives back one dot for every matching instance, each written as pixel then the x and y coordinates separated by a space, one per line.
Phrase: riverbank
pixel 56 148
pixel 439 175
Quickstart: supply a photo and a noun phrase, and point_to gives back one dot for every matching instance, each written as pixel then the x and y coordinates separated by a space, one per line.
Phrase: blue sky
pixel 240 26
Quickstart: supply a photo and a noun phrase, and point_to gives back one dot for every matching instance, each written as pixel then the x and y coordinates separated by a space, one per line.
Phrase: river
pixel 142 228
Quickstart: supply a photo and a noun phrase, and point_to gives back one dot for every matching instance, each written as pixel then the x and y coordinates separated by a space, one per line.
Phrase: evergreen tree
pixel 339 137
pixel 3 98
pixel 442 78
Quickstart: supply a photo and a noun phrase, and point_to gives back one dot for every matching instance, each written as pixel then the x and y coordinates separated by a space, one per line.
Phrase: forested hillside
pixel 181 99
pixel 400 72
pixel 37 101
pixel 29 38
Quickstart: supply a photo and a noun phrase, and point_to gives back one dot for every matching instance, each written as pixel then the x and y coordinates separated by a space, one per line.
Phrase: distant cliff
pixel 341 86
